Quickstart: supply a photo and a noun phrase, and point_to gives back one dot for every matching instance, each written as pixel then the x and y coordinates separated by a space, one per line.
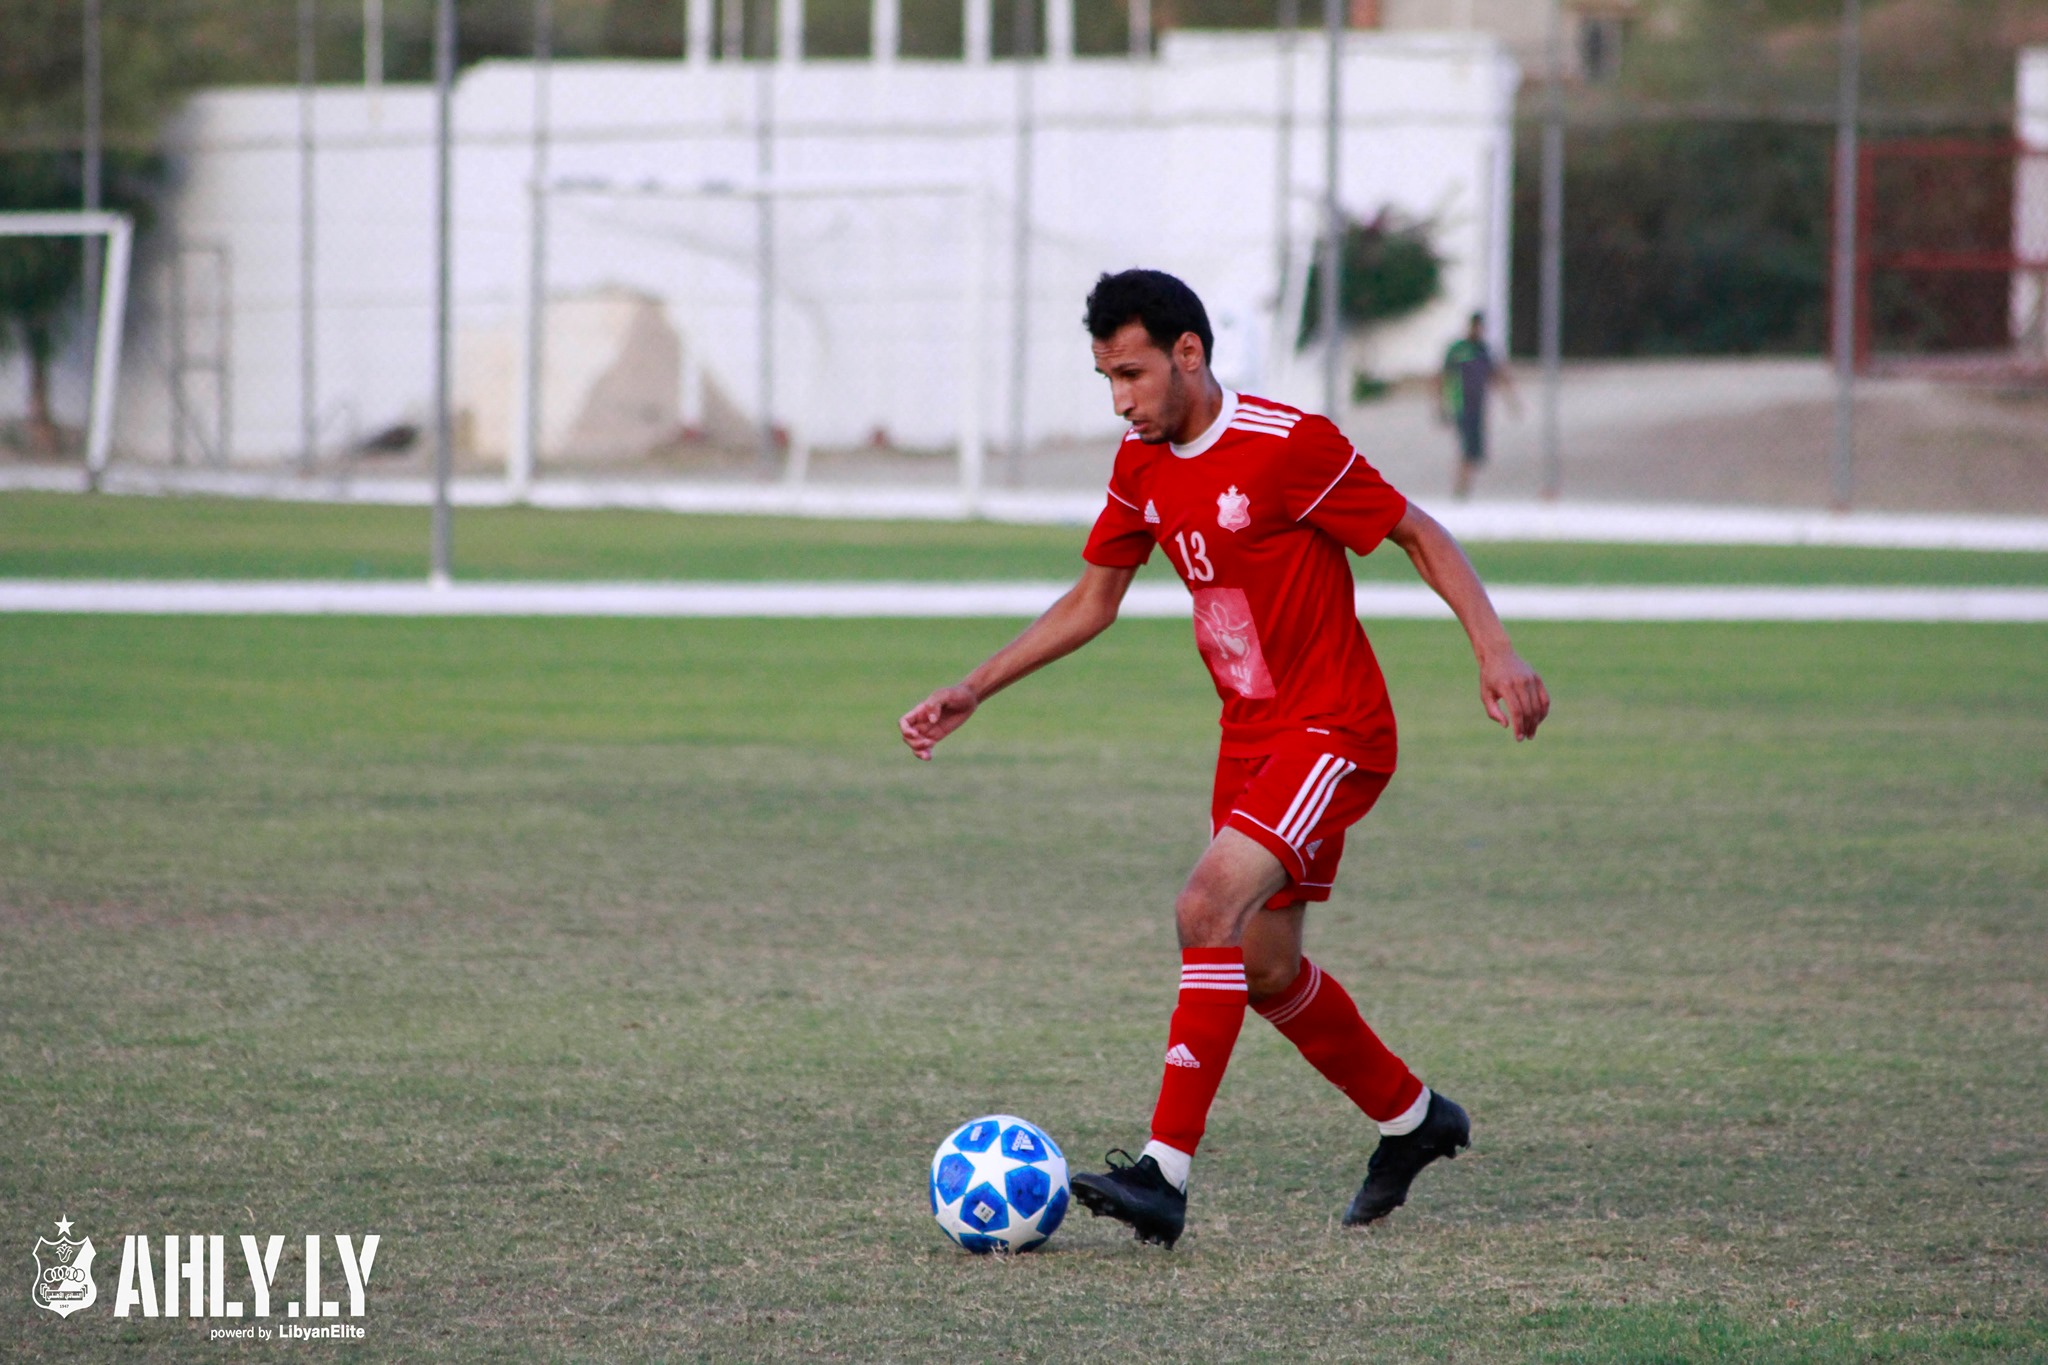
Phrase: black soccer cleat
pixel 1136 1193
pixel 1398 1160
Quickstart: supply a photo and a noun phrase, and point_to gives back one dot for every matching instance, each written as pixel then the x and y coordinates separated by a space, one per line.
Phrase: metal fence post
pixel 1333 206
pixel 1551 304
pixel 95 175
pixel 1022 41
pixel 441 569
pixel 309 393
pixel 525 452
pixel 1843 473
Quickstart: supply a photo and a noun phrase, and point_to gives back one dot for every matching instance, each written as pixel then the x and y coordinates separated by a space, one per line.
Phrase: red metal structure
pixel 1952 257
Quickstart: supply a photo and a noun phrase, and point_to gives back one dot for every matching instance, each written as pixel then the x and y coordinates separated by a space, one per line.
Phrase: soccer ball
pixel 999 1184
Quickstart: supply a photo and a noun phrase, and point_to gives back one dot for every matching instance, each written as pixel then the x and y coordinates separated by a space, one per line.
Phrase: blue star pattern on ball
pixel 976 1136
pixel 1022 1142
pixel 1029 1188
pixel 998 1184
pixel 952 1176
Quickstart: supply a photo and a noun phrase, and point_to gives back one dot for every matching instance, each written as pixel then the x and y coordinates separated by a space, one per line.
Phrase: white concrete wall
pixel 1169 163
pixel 2030 202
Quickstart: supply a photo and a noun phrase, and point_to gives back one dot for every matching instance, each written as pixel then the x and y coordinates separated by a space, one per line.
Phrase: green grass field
pixel 622 976
pixel 65 535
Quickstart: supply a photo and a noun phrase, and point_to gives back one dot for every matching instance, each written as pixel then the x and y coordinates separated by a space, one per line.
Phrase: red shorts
pixel 1297 801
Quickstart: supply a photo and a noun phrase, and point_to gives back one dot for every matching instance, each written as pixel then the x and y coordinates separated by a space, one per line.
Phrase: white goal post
pixel 106 354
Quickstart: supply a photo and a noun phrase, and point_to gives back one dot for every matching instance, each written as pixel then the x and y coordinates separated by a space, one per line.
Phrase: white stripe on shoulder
pixel 1355 458
pixel 1271 414
pixel 1125 501
pixel 1270 428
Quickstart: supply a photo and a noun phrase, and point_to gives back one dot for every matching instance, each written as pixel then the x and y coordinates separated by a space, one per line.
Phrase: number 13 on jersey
pixel 1194 556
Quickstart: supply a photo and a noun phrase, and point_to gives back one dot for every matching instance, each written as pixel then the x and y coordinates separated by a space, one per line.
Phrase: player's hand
pixel 937 716
pixel 1514 696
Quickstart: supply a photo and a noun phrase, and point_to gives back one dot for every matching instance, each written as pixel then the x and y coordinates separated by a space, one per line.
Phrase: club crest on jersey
pixel 1233 509
pixel 1151 513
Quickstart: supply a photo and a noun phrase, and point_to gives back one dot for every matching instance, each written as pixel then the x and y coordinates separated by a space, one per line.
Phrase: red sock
pixel 1317 1016
pixel 1198 1043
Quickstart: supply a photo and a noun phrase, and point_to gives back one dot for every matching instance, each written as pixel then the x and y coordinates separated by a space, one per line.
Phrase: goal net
pixel 784 318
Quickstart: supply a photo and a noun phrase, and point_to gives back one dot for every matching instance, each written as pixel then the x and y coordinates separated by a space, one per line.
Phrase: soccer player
pixel 1255 504
pixel 1469 369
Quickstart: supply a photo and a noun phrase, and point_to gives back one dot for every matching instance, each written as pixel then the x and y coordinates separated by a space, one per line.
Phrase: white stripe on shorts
pixel 1308 785
pixel 1300 828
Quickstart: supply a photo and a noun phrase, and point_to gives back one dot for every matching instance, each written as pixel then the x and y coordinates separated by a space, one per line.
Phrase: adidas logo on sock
pixel 1151 513
pixel 1178 1055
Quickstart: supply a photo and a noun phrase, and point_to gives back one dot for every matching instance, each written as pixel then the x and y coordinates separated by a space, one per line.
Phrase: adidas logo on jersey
pixel 1313 846
pixel 1151 513
pixel 1178 1055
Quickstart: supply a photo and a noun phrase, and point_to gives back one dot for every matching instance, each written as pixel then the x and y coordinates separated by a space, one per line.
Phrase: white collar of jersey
pixel 1213 434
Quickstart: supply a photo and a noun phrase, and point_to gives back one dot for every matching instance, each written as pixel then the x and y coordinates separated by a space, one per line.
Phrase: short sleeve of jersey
pixel 1120 539
pixel 1336 490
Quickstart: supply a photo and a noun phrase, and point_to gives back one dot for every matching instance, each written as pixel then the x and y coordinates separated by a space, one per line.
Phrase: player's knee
pixel 1204 919
pixel 1264 979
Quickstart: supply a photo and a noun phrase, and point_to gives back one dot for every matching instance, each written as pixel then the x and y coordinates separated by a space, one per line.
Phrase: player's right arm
pixel 1083 612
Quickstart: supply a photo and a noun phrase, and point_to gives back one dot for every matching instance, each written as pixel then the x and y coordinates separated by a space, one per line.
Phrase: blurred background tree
pixel 1697 201
pixel 1682 238
pixel 1388 267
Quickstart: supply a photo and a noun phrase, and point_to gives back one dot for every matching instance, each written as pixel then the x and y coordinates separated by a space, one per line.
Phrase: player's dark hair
pixel 1167 308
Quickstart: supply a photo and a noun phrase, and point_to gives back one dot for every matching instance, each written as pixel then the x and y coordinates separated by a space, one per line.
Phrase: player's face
pixel 1146 385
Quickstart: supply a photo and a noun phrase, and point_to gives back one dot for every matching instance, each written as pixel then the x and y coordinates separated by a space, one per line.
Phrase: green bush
pixel 1389 268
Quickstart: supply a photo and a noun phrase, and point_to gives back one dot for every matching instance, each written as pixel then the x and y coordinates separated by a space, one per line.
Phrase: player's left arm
pixel 1513 694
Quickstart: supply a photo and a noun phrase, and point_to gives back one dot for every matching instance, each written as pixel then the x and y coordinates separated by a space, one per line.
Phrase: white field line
pixel 985 599
pixel 1589 523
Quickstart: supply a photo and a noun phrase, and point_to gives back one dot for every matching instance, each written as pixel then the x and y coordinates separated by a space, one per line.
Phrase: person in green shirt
pixel 1469 369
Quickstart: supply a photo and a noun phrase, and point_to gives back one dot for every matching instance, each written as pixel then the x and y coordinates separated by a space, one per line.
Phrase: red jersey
pixel 1256 515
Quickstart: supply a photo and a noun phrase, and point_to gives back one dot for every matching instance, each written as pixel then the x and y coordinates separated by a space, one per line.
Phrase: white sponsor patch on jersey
pixel 1229 641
